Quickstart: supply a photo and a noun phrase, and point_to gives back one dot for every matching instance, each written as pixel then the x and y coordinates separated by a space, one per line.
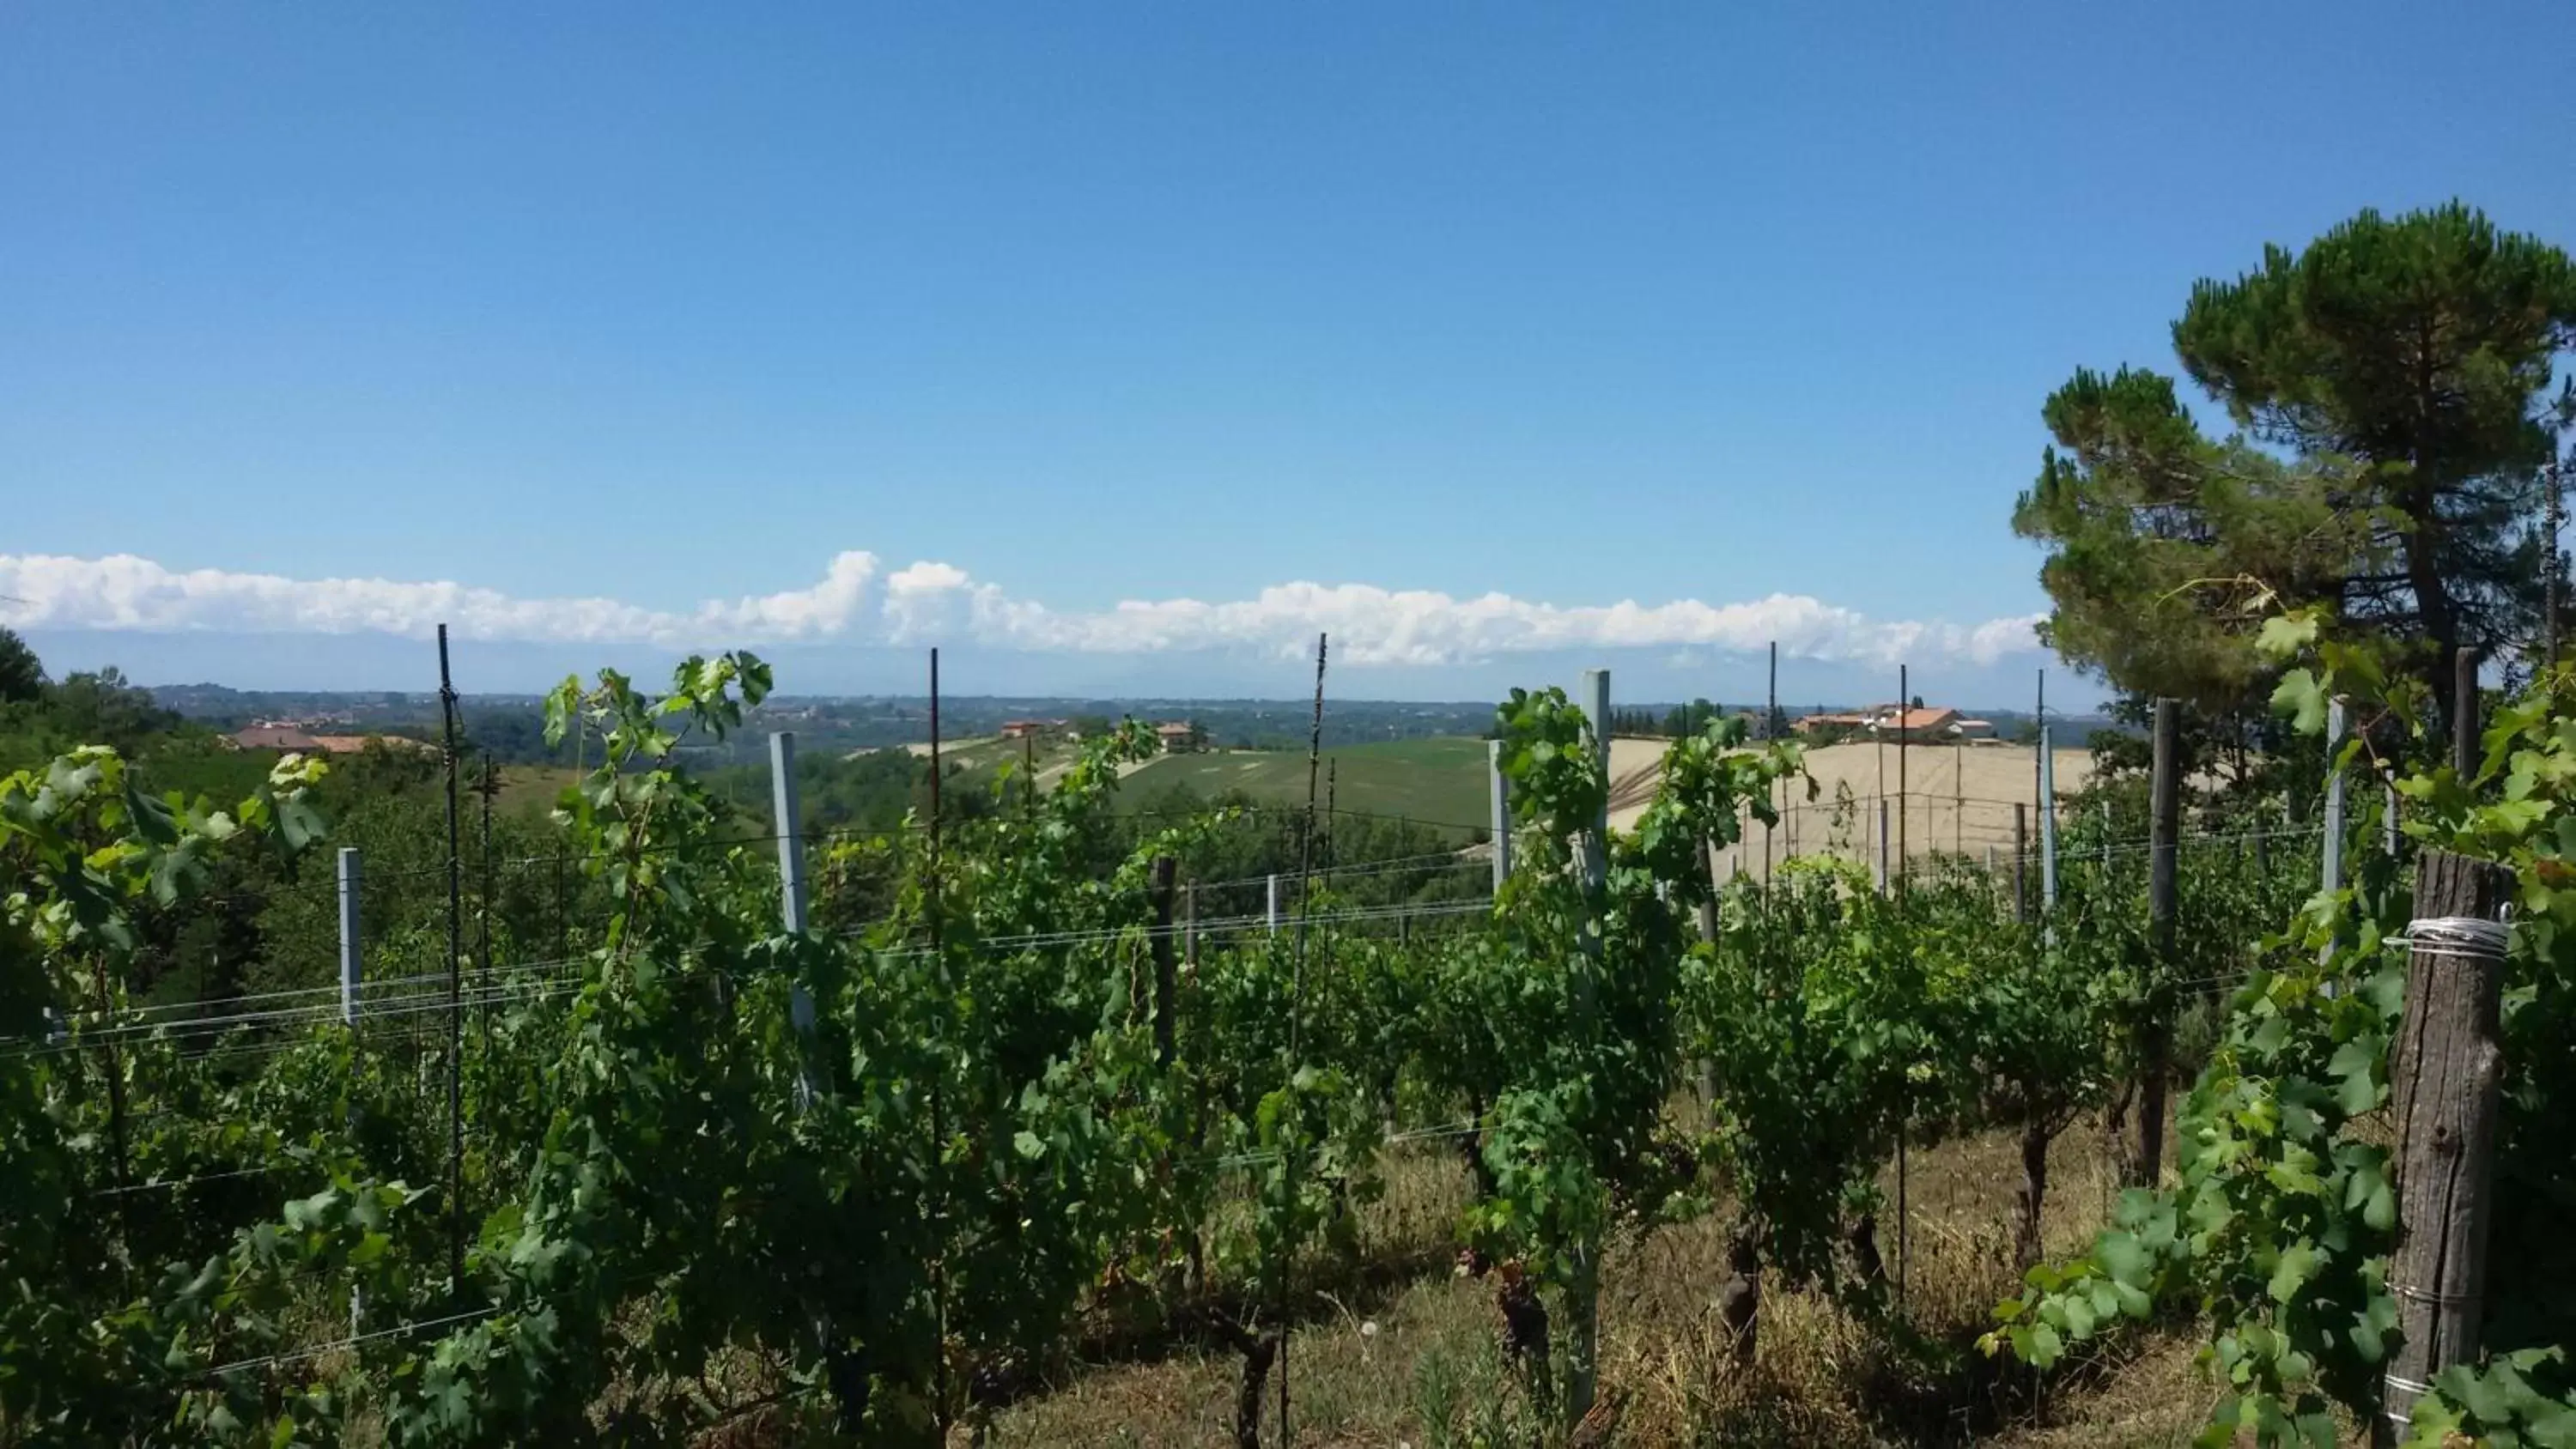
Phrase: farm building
pixel 1935 724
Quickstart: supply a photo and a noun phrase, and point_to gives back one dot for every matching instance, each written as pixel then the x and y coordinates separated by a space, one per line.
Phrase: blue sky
pixel 652 306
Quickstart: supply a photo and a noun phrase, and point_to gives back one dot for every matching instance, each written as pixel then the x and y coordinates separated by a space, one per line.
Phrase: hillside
pixel 1439 781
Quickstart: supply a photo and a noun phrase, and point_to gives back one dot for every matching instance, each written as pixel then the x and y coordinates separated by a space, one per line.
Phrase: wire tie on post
pixel 2467 937
pixel 2403 1385
pixel 2426 1295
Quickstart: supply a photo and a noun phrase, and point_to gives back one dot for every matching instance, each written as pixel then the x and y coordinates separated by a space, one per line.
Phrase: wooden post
pixel 2466 748
pixel 1904 713
pixel 1165 868
pixel 2164 814
pixel 455 989
pixel 351 973
pixel 1882 845
pixel 2039 762
pixel 2021 862
pixel 2047 824
pixel 1297 984
pixel 1770 715
pixel 2549 562
pixel 1501 793
pixel 2445 1072
pixel 1708 908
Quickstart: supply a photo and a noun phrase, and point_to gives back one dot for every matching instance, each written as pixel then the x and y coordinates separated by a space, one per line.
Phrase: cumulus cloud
pixel 857 600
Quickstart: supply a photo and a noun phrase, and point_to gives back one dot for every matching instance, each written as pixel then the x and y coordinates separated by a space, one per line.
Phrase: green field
pixel 531 789
pixel 1435 781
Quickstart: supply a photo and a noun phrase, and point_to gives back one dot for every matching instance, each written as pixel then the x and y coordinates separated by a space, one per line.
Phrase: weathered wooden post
pixel 350 976
pixel 2164 815
pixel 2021 861
pixel 1882 845
pixel 2465 747
pixel 2047 825
pixel 2445 1074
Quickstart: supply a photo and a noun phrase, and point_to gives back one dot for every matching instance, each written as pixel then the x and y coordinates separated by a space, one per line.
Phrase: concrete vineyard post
pixel 791 887
pixel 2330 871
pixel 350 974
pixel 2445 1075
pixel 791 843
pixel 1596 857
pixel 2331 874
pixel 1271 911
pixel 1165 984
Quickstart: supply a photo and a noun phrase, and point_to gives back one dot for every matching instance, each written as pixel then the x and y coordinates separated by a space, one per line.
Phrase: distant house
pixel 270 736
pixel 1178 737
pixel 1936 724
pixel 1020 729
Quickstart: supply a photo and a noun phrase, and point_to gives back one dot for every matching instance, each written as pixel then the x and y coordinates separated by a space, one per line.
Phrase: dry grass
pixel 1958 799
pixel 1415 1362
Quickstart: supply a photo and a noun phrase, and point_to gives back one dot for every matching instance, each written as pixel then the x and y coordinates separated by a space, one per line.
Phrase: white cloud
pixel 937 602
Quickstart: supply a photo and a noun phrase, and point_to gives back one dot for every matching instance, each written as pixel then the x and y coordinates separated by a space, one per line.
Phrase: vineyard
pixel 725 1134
